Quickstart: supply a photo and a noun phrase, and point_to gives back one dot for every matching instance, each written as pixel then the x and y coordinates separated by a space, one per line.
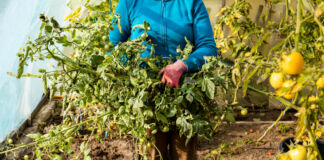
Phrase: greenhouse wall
pixel 19 20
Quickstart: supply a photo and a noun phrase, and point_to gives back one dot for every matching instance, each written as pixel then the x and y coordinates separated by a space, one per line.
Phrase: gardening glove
pixel 172 73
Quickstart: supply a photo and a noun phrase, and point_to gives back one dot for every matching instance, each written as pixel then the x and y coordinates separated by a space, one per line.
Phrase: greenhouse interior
pixel 162 79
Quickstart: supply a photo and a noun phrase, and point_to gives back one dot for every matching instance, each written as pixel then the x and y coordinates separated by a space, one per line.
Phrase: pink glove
pixel 172 73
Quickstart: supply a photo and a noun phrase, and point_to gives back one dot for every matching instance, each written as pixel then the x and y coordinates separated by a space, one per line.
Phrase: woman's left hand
pixel 172 73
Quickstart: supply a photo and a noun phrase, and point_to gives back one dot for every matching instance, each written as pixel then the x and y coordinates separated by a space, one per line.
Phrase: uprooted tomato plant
pixel 294 65
pixel 97 73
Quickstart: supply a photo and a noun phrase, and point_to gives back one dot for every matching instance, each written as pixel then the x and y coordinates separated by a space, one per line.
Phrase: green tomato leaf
pixel 171 112
pixel 189 97
pixel 133 81
pixel 161 117
pixel 48 29
pixel 148 113
pixel 178 100
pixel 209 87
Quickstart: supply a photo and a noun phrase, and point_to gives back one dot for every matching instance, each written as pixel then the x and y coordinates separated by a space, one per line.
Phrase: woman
pixel 170 22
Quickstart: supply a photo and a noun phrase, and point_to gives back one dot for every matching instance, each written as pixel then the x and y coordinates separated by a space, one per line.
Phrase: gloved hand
pixel 172 73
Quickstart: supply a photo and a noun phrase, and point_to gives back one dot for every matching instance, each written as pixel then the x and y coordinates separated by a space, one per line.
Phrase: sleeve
pixel 203 38
pixel 115 36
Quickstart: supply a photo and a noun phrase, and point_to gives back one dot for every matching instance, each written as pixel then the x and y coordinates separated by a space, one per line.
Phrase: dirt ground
pixel 232 141
pixel 237 140
pixel 240 141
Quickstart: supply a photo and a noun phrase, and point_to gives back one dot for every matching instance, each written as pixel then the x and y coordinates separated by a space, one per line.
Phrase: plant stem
pixel 319 24
pixel 219 122
pixel 287 11
pixel 76 66
pixel 25 75
pixel 158 151
pixel 298 24
pixel 20 147
pixel 274 124
pixel 283 101
pixel 62 131
pixel 313 141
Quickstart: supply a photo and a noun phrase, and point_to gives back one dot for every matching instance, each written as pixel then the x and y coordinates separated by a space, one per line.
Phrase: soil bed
pixel 237 141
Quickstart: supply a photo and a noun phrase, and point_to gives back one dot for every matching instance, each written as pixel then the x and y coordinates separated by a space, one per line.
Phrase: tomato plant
pixel 294 64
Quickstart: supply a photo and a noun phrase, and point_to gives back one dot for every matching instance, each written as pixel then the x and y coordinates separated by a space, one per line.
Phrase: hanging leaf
pixel 209 87
pixel 247 80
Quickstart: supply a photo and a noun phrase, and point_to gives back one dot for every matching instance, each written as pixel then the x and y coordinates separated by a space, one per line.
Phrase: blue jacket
pixel 170 22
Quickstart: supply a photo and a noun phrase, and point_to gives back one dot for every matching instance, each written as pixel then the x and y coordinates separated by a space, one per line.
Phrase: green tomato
pixel 10 141
pixel 26 157
pixel 104 38
pixel 148 145
pixel 244 112
pixel 142 140
pixel 165 129
pixel 154 131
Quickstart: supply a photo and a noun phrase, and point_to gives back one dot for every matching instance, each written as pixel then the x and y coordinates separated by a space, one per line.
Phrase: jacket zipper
pixel 163 26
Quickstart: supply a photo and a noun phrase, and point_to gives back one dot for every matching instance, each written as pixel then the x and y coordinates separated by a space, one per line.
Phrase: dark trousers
pixel 173 147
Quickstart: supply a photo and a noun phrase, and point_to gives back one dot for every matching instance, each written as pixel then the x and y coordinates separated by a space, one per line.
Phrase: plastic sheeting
pixel 19 20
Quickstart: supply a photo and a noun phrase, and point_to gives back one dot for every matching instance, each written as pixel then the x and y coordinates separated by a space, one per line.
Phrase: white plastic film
pixel 19 20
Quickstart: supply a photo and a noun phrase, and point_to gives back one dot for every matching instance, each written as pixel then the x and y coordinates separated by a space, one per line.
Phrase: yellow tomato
pixel 292 63
pixel 289 96
pixel 320 82
pixel 283 157
pixel 276 80
pixel 298 153
pixel 289 84
pixel 312 99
